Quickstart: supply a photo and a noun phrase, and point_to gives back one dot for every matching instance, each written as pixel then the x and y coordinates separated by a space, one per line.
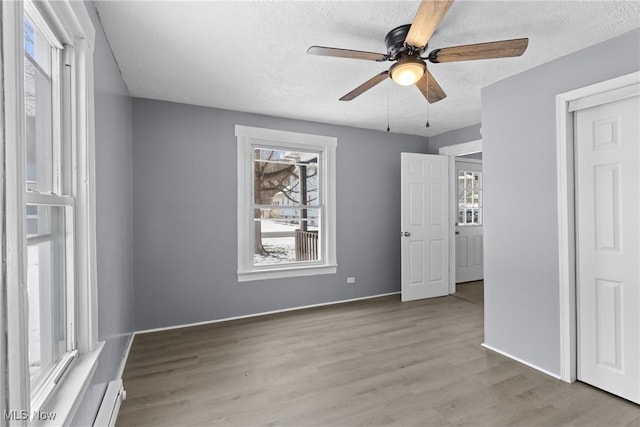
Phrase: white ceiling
pixel 251 55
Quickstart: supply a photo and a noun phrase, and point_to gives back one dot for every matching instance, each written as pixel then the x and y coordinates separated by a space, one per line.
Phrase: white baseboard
pixel 265 313
pixel 524 362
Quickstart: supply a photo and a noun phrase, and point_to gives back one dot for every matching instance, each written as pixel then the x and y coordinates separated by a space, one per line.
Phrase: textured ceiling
pixel 251 55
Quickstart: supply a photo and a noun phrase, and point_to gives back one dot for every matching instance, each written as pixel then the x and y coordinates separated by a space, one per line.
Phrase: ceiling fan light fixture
pixel 407 71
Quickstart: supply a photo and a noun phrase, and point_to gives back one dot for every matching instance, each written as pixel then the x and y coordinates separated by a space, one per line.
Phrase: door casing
pixel 566 216
pixel 453 151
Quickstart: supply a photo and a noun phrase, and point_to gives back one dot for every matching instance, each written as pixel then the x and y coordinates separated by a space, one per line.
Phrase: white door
pixel 608 246
pixel 469 221
pixel 425 226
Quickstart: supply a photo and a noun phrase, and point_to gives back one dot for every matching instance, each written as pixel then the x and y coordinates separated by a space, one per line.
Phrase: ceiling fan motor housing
pixel 395 43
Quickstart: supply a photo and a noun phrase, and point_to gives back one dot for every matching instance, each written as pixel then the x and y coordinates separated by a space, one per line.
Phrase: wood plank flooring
pixel 471 291
pixel 372 362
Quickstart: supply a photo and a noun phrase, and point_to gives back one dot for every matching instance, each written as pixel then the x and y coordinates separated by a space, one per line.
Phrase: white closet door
pixel 608 246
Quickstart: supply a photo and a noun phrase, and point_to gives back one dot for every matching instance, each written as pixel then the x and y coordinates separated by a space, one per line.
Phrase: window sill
pixel 63 403
pixel 247 276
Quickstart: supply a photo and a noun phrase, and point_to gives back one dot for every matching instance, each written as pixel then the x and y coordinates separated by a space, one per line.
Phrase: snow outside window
pixel 286 204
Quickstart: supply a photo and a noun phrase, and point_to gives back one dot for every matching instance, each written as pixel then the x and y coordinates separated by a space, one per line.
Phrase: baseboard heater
pixel 110 406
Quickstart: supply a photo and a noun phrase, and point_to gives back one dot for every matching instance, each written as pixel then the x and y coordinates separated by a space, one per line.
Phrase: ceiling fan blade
pixel 346 53
pixel 366 86
pixel 500 49
pixel 429 15
pixel 430 88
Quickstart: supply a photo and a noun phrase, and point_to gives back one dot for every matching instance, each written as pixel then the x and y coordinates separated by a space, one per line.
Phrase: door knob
pixel 407 234
pixel 457 232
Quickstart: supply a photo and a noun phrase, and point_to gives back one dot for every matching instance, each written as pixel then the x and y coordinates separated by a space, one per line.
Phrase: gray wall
pixel 521 256
pixel 457 136
pixel 114 186
pixel 184 188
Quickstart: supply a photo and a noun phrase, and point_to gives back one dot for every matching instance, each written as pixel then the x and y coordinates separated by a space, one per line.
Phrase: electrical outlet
pixel 351 280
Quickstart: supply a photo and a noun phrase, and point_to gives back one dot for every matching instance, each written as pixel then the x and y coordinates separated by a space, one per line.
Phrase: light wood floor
pixel 471 291
pixel 373 362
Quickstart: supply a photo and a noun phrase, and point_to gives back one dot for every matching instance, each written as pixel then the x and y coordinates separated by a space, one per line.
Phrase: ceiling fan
pixel 407 44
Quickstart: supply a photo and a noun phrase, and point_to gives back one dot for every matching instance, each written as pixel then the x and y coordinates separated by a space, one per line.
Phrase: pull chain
pixel 388 109
pixel 427 125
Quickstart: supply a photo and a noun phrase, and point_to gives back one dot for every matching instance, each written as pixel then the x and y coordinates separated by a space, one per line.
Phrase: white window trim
pixel 72 23
pixel 247 137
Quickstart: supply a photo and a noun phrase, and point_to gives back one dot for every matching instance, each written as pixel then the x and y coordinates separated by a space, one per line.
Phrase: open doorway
pixel 465 211
pixel 469 222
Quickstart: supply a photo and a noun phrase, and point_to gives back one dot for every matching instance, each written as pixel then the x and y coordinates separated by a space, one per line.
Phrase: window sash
pixel 41 390
pixel 58 93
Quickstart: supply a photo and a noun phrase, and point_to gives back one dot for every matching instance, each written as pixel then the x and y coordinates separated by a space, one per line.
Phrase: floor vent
pixel 110 405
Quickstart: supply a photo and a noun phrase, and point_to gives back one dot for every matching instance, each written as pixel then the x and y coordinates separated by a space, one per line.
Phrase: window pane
pixel 275 241
pixel 45 288
pixel 287 238
pixel 32 219
pixel 29 37
pixel 310 192
pixel 276 250
pixel 38 106
pixel 470 180
pixel 285 177
pixel 469 198
pixel 36 46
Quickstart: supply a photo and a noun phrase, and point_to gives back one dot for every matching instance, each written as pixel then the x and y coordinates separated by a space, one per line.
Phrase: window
pixel 49 211
pixel 469 197
pixel 286 204
pixel 51 347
